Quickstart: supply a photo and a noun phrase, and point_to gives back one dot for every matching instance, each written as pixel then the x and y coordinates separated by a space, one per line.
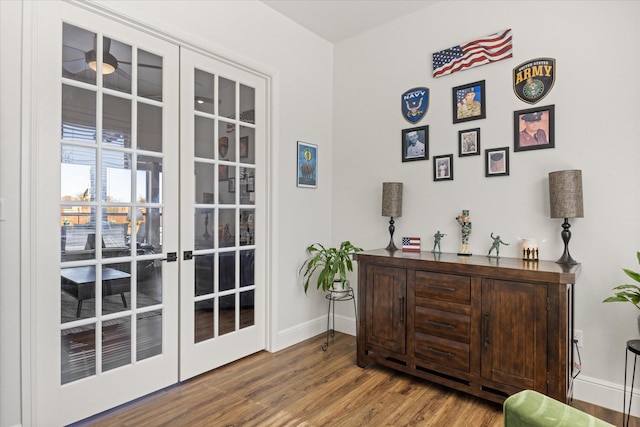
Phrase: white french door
pixel 148 216
pixel 106 198
pixel 222 153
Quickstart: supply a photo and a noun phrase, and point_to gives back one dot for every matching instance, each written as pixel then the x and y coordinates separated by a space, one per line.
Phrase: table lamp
pixel 391 207
pixel 565 201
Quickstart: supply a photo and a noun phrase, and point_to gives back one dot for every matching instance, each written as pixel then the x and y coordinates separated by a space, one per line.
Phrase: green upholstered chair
pixel 529 408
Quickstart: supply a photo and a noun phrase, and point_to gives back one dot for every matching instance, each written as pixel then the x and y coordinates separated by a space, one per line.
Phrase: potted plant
pixel 626 292
pixel 332 265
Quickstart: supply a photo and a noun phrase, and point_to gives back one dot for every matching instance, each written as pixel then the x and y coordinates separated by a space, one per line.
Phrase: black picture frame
pixel 496 162
pixel 443 168
pixel 469 142
pixel 532 125
pixel 465 106
pixel 410 154
pixel 232 185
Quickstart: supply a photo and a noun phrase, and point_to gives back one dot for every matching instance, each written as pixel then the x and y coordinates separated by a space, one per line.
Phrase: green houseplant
pixel 331 263
pixel 626 292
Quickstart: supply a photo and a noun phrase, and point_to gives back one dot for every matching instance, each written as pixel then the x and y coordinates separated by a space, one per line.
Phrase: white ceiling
pixel 336 20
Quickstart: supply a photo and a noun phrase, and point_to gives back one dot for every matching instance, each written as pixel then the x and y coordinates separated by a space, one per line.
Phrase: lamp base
pixel 391 246
pixel 566 236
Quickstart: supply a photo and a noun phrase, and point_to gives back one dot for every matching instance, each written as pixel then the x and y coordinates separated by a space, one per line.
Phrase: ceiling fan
pixel 76 60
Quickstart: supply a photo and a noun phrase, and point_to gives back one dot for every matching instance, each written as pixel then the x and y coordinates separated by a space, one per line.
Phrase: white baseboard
pixel 606 394
pixel 298 333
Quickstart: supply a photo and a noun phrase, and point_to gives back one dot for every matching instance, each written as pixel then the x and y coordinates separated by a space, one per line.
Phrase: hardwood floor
pixel 304 386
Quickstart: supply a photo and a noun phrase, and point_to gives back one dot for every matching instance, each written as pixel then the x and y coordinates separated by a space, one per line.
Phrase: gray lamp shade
pixel 392 199
pixel 565 194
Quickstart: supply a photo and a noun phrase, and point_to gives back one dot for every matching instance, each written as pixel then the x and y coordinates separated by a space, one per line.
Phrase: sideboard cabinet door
pixel 386 308
pixel 514 334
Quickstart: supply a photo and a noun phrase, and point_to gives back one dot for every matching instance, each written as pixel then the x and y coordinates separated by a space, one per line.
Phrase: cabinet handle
pixel 442 288
pixel 485 329
pixel 442 325
pixel 401 301
pixel 444 353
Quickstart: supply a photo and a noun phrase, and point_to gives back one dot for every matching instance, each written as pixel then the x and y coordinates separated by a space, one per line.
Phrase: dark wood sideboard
pixel 489 327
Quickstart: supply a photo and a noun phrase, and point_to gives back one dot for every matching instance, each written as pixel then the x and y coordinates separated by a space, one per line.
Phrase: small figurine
pixel 465 223
pixel 436 242
pixel 496 245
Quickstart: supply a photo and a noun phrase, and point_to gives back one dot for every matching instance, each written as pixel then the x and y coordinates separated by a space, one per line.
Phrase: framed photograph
pixel 244 147
pixel 469 142
pixel 415 144
pixel 223 172
pixel 443 168
pixel 533 129
pixel 232 185
pixel 307 175
pixel 497 162
pixel 469 102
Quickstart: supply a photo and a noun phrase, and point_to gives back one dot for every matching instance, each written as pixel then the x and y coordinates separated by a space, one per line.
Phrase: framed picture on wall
pixel 443 168
pixel 497 162
pixel 533 129
pixel 307 175
pixel 469 142
pixel 232 185
pixel 244 147
pixel 415 144
pixel 223 172
pixel 469 102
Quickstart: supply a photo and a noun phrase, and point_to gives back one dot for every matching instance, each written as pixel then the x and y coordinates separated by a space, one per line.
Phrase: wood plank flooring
pixel 304 386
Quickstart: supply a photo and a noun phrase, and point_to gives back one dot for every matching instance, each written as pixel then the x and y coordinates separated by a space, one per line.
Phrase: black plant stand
pixel 333 296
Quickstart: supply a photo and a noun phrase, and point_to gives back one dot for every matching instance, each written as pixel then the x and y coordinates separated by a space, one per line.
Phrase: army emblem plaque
pixel 415 103
pixel 533 80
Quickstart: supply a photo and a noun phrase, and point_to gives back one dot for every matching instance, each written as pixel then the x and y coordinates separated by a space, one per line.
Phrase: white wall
pixel 596 45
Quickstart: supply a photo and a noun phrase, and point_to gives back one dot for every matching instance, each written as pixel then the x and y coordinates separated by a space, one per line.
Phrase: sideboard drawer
pixel 446 287
pixel 442 323
pixel 442 351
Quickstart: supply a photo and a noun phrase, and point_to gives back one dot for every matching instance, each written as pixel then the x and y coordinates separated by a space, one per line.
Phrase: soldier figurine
pixel 465 223
pixel 496 245
pixel 436 242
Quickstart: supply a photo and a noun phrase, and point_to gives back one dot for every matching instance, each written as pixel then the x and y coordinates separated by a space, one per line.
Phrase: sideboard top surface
pixel 479 265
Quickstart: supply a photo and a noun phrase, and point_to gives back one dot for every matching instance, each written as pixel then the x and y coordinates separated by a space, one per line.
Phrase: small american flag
pixel 411 244
pixel 485 50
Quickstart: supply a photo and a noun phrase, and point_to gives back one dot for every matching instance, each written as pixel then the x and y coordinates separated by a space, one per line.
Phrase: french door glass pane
pixel 204 92
pixel 78 114
pixel 116 121
pixel 76 42
pixel 120 78
pixel 78 351
pixel 149 326
pixel 116 176
pixel 149 127
pixel 77 180
pixel 203 320
pixel 247 306
pixel 247 102
pixel 149 75
pixel 227 98
pixel 247 148
pixel 204 137
pixel 116 343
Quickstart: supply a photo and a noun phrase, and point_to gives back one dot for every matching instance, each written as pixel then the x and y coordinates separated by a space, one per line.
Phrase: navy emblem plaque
pixel 533 80
pixel 415 103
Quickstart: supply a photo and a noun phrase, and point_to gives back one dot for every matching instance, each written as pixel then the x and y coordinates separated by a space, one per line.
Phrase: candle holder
pixel 530 250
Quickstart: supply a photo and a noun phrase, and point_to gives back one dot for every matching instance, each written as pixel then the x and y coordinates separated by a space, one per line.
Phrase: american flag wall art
pixel 411 244
pixel 485 50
